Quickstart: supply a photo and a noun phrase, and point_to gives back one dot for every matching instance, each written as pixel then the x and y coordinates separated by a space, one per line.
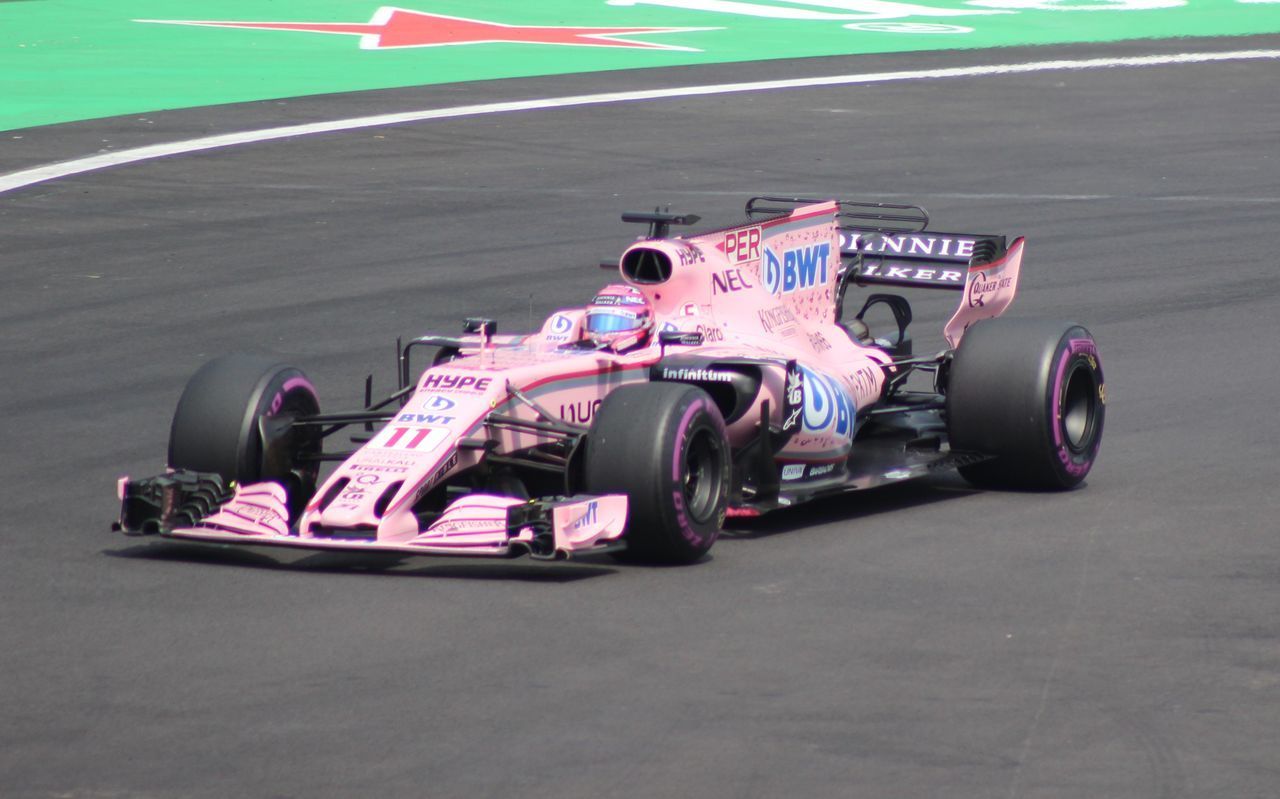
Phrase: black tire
pixel 1031 393
pixel 218 425
pixel 664 446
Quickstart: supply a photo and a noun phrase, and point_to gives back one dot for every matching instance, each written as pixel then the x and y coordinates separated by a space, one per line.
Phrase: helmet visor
pixel 612 321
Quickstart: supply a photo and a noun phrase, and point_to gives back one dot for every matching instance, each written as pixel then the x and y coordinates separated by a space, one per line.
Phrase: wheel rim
pixel 1079 407
pixel 703 475
pixel 303 465
pixel 304 459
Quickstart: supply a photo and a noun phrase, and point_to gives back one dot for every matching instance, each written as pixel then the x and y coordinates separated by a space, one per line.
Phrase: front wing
pixel 193 506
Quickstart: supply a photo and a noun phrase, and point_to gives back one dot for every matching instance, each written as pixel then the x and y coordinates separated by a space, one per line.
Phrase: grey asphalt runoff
pixel 1121 640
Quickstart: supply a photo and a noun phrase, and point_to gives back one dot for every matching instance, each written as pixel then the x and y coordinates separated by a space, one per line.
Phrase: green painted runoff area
pixel 62 60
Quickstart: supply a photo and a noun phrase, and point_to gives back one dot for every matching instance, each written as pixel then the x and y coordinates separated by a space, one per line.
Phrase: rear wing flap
pixel 889 244
pixel 925 259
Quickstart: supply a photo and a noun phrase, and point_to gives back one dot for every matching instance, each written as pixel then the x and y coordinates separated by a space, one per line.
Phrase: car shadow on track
pixel 383 565
pixel 835 509
pixel 845 508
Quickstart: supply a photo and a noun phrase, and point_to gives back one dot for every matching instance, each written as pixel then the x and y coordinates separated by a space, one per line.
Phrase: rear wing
pixel 888 244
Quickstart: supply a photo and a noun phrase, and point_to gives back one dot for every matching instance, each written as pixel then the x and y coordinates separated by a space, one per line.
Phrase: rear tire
pixel 1031 393
pixel 218 425
pixel 664 446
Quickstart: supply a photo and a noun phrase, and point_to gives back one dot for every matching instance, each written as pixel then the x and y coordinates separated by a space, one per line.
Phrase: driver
pixel 619 318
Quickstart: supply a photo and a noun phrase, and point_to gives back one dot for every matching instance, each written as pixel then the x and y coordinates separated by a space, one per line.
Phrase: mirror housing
pixel 680 338
pixel 476 324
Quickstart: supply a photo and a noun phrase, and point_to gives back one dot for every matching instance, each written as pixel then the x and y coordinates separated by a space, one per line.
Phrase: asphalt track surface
pixel 927 640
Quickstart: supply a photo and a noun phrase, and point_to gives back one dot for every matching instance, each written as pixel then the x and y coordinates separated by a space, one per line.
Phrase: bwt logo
pixel 438 403
pixel 588 517
pixel 561 324
pixel 424 418
pixel 799 268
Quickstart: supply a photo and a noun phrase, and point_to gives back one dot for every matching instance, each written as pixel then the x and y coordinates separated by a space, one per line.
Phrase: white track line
pixel 420 188
pixel 40 174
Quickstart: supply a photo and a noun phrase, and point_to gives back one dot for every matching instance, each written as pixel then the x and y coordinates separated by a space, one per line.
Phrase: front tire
pixel 232 419
pixel 1030 393
pixel 664 446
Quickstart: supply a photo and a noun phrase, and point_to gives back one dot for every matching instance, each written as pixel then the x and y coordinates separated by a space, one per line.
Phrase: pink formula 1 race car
pixel 719 377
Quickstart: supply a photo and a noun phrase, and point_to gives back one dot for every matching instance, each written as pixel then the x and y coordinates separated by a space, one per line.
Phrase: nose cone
pixel 354 501
pixel 372 494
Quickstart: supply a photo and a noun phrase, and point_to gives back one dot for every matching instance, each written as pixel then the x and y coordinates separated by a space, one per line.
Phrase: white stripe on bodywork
pixel 78 166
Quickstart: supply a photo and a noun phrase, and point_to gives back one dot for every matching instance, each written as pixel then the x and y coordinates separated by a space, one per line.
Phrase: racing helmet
pixel 619 317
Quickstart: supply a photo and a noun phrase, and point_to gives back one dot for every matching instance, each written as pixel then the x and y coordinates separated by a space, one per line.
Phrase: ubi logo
pixel 826 408
pixel 797 268
pixel 438 403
